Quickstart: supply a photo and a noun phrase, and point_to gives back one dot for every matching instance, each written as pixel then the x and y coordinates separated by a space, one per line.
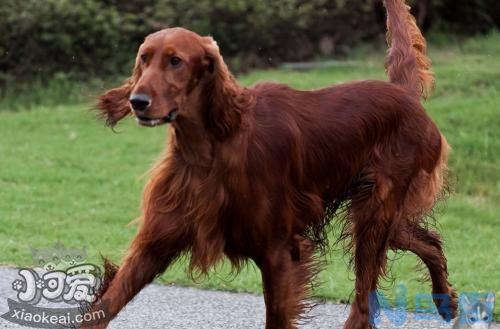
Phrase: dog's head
pixel 177 74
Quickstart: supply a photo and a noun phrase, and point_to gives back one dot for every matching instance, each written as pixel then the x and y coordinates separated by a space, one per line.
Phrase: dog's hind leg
pixel 427 245
pixel 422 194
pixel 372 219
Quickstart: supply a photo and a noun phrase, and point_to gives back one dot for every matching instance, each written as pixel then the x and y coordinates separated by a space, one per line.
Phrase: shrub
pixel 98 37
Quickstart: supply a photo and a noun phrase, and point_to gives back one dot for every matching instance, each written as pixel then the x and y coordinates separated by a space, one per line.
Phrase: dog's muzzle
pixel 152 122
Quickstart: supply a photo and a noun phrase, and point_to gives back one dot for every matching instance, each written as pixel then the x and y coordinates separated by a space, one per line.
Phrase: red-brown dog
pixel 251 173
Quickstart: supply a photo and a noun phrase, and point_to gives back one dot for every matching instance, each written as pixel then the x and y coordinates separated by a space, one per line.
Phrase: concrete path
pixel 172 307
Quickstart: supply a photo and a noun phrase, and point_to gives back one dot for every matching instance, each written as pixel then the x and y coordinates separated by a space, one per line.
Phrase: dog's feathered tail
pixel 407 63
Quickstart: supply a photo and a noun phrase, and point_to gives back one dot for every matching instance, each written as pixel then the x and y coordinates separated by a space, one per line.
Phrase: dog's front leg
pixel 287 271
pixel 160 240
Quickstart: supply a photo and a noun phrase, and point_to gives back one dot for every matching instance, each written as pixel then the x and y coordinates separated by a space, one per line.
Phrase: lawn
pixel 65 177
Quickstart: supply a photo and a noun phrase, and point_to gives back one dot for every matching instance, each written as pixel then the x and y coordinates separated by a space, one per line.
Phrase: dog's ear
pixel 113 104
pixel 225 98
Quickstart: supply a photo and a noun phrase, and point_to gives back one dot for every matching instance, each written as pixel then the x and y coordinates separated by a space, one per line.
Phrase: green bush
pixel 40 37
pixel 99 37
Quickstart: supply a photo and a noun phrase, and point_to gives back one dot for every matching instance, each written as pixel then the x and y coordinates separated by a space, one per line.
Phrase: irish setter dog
pixel 257 173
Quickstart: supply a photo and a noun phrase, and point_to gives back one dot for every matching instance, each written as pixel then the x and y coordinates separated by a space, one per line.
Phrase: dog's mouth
pixel 153 122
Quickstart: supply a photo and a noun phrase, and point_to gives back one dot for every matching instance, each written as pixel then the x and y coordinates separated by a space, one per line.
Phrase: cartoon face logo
pixel 476 313
pixel 57 257
pixel 48 258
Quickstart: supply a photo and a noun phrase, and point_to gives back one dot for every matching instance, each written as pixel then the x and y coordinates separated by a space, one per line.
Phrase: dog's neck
pixel 195 134
pixel 193 142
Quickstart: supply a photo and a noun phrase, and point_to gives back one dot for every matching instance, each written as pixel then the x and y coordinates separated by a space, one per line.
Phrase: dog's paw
pixel 358 322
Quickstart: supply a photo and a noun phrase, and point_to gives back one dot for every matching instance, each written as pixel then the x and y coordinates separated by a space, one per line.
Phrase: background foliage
pixel 98 37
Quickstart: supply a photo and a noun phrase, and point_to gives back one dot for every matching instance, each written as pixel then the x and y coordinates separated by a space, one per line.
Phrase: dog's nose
pixel 140 102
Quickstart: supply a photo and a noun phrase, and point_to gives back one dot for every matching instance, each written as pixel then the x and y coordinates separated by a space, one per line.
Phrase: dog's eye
pixel 144 58
pixel 485 318
pixel 175 61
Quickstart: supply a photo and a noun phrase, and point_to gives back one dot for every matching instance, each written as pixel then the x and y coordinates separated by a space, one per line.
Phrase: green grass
pixel 65 177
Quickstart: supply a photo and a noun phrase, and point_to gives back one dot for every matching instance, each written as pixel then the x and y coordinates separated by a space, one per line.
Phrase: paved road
pixel 172 307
